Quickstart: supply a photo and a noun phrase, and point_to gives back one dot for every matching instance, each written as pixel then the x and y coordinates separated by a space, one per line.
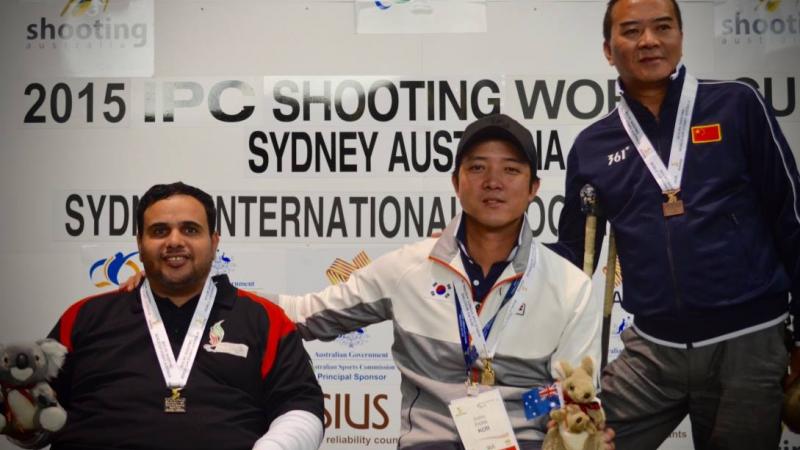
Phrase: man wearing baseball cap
pixel 482 314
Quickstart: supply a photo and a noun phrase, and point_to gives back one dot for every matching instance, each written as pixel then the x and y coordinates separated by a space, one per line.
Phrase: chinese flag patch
pixel 703 134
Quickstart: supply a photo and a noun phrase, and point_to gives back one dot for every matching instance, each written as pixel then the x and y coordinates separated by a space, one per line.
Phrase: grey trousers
pixel 731 391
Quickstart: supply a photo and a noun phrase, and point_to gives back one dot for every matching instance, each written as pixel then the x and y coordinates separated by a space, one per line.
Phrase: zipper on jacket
pixel 410 423
pixel 670 257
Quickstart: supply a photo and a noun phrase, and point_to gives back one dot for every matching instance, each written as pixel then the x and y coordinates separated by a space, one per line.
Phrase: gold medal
pixel 175 403
pixel 487 374
pixel 673 206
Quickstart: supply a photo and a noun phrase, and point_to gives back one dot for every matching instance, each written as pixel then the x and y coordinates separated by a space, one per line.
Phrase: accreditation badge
pixel 482 422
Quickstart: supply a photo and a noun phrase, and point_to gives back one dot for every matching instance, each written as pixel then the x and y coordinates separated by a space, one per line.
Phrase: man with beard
pixel 185 361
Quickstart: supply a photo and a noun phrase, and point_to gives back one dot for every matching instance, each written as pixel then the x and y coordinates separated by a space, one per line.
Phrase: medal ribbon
pixel 469 324
pixel 667 179
pixel 176 372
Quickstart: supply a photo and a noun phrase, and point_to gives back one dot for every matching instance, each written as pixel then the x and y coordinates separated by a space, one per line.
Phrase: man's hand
pixel 131 283
pixel 608 437
pixel 794 368
pixel 608 434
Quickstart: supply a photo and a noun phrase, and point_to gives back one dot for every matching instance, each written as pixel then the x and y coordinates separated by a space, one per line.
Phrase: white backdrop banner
pixel 317 139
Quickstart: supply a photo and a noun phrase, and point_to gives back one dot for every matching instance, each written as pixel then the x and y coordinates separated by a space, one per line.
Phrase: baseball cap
pixel 497 126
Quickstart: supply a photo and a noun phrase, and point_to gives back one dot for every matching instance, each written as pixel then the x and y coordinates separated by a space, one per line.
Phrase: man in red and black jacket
pixel 185 360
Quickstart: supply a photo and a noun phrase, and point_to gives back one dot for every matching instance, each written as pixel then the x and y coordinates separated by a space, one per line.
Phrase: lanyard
pixel 469 322
pixel 176 372
pixel 668 179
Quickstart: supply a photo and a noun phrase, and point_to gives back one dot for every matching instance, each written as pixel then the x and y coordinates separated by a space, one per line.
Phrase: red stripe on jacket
pixel 279 327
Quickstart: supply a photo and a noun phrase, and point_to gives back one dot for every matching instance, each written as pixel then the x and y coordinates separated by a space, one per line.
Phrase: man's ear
pixel 454 180
pixel 534 190
pixel 607 53
pixel 215 241
pixel 139 244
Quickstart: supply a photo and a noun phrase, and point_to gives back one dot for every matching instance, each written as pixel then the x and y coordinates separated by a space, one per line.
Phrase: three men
pixel 185 360
pixel 704 201
pixel 481 308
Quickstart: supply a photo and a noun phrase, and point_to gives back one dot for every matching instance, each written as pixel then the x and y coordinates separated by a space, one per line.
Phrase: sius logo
pixel 112 268
pixel 759 21
pixel 85 24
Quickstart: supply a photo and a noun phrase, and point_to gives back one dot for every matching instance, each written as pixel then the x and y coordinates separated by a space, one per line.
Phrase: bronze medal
pixel 673 206
pixel 175 403
pixel 487 374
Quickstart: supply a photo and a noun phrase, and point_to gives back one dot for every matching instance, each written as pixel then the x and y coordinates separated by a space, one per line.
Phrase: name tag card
pixel 482 422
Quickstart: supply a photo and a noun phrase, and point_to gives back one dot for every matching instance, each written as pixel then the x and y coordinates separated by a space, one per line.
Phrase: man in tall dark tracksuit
pixel 703 194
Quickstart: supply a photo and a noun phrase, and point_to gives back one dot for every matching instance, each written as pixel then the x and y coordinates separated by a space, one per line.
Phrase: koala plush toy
pixel 27 402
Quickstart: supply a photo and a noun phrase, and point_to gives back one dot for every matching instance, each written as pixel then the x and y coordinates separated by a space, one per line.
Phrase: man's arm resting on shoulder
pixel 364 299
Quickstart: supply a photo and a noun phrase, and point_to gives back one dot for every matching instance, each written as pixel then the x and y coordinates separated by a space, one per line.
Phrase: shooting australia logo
pixel 88 24
pixel 775 23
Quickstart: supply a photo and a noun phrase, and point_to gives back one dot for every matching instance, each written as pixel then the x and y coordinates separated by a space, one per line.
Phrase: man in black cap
pixel 485 272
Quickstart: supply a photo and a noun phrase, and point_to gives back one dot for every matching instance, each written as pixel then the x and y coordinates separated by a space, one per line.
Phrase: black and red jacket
pixel 114 392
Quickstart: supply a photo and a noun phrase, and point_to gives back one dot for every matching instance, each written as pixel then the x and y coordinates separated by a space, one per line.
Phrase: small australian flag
pixel 540 401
